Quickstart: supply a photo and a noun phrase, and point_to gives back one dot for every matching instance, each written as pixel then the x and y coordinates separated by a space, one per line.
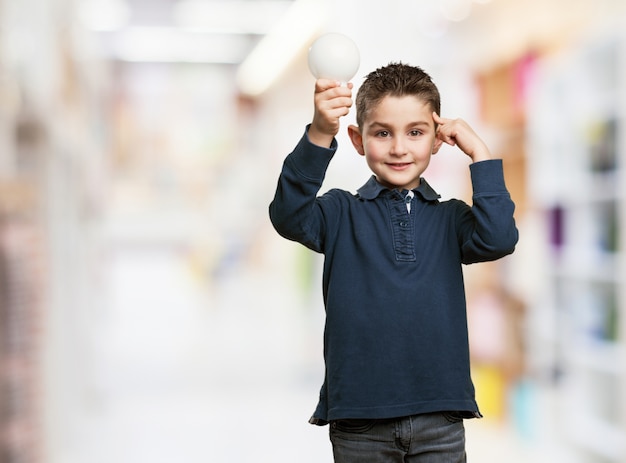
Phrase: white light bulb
pixel 334 56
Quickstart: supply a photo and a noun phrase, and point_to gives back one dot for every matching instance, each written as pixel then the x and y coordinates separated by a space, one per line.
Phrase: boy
pixel 397 384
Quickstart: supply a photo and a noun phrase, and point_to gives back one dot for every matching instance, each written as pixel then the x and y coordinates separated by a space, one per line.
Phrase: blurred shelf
pixel 598 356
pixel 575 162
pixel 601 438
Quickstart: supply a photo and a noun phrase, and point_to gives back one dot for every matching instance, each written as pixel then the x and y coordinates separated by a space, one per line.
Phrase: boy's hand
pixel 332 101
pixel 458 132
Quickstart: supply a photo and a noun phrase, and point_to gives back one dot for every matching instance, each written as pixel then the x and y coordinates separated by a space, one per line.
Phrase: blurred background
pixel 149 312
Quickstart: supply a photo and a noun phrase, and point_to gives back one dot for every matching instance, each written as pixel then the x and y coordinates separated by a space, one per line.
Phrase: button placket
pixel 403 240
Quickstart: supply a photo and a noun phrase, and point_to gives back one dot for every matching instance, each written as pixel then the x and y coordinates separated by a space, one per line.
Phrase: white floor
pixel 230 375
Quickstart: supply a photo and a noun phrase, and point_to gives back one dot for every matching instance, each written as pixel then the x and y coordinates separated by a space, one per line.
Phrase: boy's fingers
pixel 440 120
pixel 322 85
pixel 446 136
pixel 341 102
pixel 448 140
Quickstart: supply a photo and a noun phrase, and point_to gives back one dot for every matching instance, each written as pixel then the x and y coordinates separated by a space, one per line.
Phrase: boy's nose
pixel 398 148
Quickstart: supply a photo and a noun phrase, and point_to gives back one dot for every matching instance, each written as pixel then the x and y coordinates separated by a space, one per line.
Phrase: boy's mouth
pixel 399 165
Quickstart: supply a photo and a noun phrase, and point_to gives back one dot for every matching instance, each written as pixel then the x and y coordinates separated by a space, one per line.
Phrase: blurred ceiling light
pixel 169 44
pixel 233 17
pixel 281 45
pixel 456 10
pixel 431 21
pixel 103 15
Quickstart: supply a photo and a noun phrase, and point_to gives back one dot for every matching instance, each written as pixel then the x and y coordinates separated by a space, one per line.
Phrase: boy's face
pixel 397 139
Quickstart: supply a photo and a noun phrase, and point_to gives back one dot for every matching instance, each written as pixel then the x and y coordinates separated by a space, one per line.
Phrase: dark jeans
pixel 428 438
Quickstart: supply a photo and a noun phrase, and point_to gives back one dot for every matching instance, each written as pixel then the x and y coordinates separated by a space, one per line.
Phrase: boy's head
pixel 395 79
pixel 396 131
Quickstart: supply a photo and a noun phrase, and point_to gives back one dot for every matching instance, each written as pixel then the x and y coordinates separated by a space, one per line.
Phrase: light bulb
pixel 334 56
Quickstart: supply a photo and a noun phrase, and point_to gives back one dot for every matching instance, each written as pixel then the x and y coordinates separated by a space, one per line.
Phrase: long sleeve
pixel 489 231
pixel 293 211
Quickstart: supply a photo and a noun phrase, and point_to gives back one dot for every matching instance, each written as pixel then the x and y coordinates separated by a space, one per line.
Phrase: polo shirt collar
pixel 372 189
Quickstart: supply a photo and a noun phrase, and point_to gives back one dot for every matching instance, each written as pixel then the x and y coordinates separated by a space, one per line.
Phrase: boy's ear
pixel 436 145
pixel 357 139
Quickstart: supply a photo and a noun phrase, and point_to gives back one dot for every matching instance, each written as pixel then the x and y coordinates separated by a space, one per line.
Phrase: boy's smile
pixel 397 140
pixel 399 165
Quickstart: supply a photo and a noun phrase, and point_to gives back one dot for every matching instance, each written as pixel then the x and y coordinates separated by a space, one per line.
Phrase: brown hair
pixel 395 79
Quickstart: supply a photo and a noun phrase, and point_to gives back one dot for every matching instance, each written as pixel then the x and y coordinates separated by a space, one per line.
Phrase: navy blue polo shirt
pixel 395 339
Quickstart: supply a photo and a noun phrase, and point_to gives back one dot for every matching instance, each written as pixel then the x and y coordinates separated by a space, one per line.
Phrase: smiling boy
pixel 397 382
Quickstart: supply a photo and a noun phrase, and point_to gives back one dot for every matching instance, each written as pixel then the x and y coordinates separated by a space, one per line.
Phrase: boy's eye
pixel 383 133
pixel 415 133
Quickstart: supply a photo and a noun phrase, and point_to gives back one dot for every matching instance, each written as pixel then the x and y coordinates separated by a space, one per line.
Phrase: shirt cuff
pixel 312 160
